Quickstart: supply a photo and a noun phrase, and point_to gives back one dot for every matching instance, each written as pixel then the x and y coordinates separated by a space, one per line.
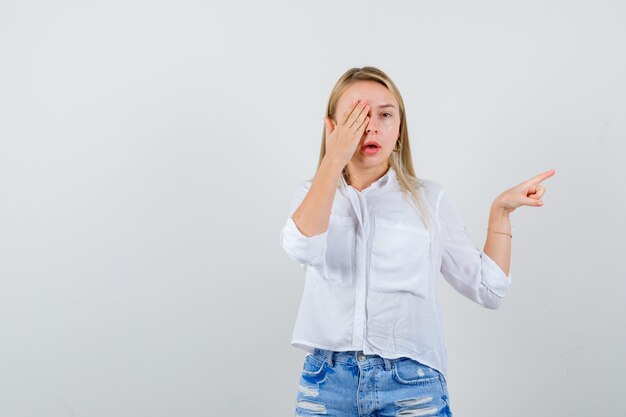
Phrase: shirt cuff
pixel 494 277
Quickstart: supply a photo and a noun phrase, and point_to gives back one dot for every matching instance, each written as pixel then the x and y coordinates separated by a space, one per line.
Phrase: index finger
pixel 537 179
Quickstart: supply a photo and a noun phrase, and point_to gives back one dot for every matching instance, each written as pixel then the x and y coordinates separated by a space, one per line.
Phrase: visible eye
pixel 388 114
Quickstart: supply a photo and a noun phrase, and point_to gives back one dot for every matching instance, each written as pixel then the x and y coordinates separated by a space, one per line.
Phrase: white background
pixel 149 151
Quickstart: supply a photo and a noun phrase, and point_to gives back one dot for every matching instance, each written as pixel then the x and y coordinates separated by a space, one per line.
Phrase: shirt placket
pixel 358 201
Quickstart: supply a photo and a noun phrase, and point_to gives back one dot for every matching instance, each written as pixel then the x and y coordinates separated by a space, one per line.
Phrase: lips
pixel 370 144
pixel 371 147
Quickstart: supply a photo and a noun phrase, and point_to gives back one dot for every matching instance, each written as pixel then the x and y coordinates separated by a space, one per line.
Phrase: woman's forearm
pixel 313 214
pixel 526 193
pixel 497 245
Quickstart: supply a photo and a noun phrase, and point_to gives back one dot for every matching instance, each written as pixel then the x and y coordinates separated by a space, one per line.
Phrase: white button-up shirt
pixel 372 278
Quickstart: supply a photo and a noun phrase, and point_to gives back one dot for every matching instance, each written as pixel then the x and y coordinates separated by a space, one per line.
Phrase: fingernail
pixel 540 203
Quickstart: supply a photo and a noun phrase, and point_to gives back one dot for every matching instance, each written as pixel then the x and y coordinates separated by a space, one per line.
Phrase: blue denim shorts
pixel 352 384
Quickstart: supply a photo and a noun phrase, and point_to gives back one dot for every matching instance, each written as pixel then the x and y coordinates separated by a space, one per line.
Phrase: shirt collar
pixel 383 181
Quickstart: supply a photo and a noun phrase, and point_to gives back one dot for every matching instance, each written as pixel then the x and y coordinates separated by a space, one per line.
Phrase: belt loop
pixel 387 364
pixel 329 357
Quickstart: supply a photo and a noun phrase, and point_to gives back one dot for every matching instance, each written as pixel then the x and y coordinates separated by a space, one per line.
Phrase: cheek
pixel 390 131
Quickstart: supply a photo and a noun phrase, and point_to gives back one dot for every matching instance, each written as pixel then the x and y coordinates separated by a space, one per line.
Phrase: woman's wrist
pixel 335 166
pixel 499 220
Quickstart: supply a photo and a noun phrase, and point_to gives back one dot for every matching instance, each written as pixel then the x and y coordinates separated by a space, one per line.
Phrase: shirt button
pixel 361 357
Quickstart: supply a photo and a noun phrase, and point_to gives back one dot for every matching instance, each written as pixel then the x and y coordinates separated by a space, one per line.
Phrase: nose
pixel 371 126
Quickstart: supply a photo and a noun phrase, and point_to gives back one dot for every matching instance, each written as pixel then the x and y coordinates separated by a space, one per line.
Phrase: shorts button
pixel 361 357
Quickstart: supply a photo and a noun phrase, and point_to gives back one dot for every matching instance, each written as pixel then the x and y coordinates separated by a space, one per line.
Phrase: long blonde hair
pixel 401 161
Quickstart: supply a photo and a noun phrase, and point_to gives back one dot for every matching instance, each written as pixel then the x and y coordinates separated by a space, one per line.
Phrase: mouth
pixel 371 148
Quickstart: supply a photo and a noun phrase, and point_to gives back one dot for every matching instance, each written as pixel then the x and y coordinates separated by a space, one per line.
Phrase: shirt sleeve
pixel 306 250
pixel 468 269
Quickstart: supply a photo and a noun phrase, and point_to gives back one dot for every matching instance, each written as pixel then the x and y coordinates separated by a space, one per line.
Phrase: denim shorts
pixel 352 384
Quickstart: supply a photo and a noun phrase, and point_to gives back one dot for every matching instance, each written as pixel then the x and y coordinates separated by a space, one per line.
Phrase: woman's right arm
pixel 304 234
pixel 313 214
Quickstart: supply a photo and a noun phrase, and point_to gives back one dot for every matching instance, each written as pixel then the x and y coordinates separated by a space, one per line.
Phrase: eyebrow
pixel 386 105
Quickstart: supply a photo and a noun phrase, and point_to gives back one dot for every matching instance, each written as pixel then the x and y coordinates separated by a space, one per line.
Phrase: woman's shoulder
pixel 431 188
pixel 304 185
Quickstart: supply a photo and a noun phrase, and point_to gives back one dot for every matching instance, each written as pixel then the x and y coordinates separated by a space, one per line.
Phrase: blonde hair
pixel 401 161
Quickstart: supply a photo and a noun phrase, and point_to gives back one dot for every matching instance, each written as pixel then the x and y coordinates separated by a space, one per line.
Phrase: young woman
pixel 373 238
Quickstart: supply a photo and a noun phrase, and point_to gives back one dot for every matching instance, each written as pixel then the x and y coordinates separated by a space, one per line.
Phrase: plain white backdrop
pixel 149 151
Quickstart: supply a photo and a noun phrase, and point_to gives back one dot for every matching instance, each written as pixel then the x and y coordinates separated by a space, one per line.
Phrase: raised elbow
pixel 307 250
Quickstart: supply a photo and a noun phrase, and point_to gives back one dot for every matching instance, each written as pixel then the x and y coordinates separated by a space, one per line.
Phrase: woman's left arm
pixel 527 193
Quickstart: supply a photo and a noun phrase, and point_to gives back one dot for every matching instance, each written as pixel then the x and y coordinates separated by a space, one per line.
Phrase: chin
pixel 370 162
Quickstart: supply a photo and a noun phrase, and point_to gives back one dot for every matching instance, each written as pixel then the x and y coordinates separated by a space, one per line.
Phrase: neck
pixel 361 178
